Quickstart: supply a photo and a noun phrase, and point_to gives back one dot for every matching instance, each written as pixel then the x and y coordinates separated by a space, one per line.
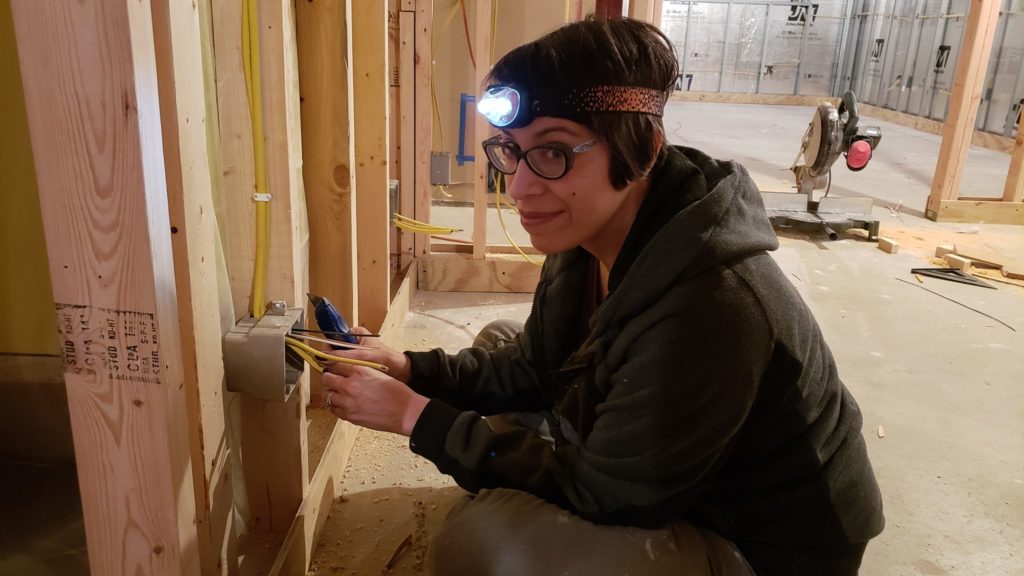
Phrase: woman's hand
pixel 370 398
pixel 398 364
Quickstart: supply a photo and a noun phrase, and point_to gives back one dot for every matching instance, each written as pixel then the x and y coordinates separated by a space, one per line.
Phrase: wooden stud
pixel 323 32
pixel 481 39
pixel 424 117
pixel 968 86
pixel 195 239
pixel 370 82
pixel 1014 189
pixel 991 212
pixel 444 248
pixel 237 174
pixel 957 262
pixel 943 249
pixel 274 433
pixel 308 525
pixel 90 81
pixel 575 10
pixel 888 245
pixel 407 130
pixel 461 273
pixel 647 10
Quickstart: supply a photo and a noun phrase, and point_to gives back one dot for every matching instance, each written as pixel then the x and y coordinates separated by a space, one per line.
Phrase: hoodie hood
pixel 698 213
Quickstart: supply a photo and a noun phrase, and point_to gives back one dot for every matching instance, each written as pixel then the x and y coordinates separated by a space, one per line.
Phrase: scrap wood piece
pixel 996 276
pixel 888 245
pixel 980 254
pixel 959 303
pixel 942 249
pixel 957 262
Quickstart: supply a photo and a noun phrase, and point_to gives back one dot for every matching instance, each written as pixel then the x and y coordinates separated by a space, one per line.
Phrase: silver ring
pixel 327 402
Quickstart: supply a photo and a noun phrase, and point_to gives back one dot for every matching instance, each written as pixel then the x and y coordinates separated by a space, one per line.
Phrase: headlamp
pixel 501 106
pixel 507 106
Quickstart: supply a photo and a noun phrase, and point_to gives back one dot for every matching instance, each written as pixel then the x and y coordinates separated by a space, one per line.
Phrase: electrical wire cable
pixel 411 225
pixel 251 68
pixel 308 358
pixel 331 357
pixel 332 342
pixel 465 27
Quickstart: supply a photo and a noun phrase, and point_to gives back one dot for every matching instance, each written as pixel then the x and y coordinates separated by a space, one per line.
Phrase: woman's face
pixel 581 208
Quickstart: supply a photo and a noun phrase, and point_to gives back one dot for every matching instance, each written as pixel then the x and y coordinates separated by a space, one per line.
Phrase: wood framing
pixel 481 38
pixel 988 211
pixel 443 248
pixel 1014 189
pixel 646 10
pixel 424 111
pixel 324 40
pixel 407 129
pixel 273 434
pixel 308 524
pixel 574 10
pixel 462 273
pixel 370 83
pixel 94 116
pixel 180 45
pixel 968 85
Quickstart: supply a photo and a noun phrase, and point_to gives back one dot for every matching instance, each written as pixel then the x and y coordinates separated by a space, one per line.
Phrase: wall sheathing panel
pixel 897 54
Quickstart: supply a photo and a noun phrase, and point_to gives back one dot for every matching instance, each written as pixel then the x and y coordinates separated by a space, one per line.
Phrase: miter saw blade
pixel 823 141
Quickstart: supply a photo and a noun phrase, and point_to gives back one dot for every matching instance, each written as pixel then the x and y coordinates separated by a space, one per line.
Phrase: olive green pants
pixel 508 532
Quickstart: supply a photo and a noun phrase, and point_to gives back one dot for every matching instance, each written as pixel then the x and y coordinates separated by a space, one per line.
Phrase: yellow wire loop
pixel 333 358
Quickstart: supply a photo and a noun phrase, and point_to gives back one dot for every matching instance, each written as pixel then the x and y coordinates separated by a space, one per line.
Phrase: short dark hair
pixel 595 52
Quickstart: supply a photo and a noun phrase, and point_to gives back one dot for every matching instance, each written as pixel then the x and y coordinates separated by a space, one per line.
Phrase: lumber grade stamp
pixel 119 344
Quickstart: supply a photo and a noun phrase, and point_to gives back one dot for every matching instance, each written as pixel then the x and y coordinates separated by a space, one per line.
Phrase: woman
pixel 683 413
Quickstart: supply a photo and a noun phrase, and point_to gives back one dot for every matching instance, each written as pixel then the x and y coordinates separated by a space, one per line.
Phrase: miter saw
pixel 831 133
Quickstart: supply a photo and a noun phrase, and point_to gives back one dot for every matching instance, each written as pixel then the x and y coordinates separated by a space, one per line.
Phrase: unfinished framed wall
pixel 908 53
pixel 757 47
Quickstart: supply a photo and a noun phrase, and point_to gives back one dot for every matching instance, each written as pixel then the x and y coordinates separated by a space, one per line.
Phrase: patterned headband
pixel 604 99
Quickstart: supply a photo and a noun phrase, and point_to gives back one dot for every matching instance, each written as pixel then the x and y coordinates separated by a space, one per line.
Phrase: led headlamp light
pixel 507 106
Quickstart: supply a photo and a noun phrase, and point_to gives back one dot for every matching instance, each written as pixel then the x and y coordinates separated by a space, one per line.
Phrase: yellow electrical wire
pixel 332 358
pixel 411 225
pixel 499 186
pixel 251 67
pixel 309 359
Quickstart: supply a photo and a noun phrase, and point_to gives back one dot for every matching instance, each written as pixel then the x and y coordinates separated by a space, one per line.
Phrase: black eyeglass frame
pixel 568 152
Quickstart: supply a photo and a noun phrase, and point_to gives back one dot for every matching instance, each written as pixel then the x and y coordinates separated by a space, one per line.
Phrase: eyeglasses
pixel 549 161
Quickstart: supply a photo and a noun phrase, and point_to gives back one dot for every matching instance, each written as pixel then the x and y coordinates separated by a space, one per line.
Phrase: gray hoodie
pixel 701 388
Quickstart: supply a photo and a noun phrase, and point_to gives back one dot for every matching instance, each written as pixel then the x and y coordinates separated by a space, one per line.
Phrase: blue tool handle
pixel 328 319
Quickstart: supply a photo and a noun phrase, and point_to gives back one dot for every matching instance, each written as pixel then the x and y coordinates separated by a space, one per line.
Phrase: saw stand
pixel 831 133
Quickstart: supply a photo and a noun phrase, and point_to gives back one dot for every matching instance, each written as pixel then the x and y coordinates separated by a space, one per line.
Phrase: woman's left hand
pixel 371 399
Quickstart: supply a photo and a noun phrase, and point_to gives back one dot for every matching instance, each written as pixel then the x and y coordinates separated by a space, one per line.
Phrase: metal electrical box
pixel 256 360
pixel 440 168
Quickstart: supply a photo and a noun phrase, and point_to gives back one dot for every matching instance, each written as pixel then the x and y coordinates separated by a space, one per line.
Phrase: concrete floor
pixel 939 384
